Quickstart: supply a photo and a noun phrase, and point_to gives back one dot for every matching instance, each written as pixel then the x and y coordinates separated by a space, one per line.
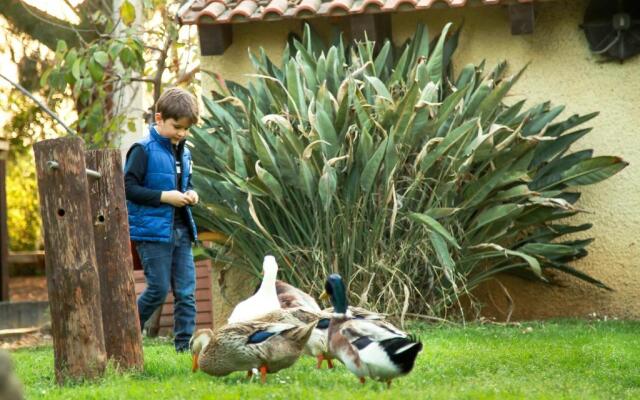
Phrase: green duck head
pixel 335 289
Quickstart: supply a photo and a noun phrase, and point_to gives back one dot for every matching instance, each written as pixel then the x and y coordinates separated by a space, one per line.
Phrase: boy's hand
pixel 175 198
pixel 193 196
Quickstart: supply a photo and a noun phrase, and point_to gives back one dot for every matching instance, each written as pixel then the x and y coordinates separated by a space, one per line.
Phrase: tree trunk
pixel 123 340
pixel 128 100
pixel 72 276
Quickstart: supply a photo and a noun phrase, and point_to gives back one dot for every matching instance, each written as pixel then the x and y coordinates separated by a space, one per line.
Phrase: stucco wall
pixel 561 70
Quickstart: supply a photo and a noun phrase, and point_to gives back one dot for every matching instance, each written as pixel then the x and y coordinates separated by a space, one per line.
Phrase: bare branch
pixel 39 103
pixel 72 7
pixel 47 20
pixel 153 48
pixel 187 76
pixel 161 65
pixel 150 80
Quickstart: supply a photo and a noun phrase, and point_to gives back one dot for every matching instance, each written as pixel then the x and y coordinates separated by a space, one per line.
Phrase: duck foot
pixel 249 374
pixel 321 358
pixel 389 384
pixel 263 374
pixel 362 380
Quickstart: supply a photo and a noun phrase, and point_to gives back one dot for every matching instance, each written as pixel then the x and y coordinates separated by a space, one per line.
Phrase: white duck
pixel 264 300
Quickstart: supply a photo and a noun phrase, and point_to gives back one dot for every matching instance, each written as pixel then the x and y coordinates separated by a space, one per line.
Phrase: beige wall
pixel 562 70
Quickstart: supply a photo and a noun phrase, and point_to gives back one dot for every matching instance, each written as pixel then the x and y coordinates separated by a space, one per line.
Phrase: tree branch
pixel 150 80
pixel 31 23
pixel 187 76
pixel 161 65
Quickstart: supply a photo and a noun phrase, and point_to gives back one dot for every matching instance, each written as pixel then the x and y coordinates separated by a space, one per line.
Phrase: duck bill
pixel 324 296
pixel 194 365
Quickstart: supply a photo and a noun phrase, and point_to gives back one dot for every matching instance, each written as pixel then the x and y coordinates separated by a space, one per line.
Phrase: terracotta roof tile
pixel 275 7
pixel 199 5
pixel 245 9
pixel 307 8
pixel 339 7
pixel 233 11
pixel 399 5
pixel 214 10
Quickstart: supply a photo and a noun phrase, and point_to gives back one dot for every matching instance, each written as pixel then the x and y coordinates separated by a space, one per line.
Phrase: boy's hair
pixel 177 103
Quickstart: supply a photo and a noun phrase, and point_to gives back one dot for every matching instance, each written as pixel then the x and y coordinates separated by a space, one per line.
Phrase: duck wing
pixel 292 297
pixel 383 347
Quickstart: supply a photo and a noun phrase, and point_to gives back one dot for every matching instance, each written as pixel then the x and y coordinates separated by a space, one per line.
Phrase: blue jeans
pixel 170 265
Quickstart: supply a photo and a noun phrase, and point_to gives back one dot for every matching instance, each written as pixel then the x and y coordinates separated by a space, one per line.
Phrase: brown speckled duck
pixel 269 344
pixel 292 297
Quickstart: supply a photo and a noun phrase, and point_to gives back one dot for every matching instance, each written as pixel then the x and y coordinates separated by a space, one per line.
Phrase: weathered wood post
pixel 72 276
pixel 123 340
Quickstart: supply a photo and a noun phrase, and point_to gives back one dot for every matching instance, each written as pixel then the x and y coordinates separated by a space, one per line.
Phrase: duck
pixel 10 386
pixel 290 297
pixel 318 345
pixel 359 313
pixel 268 344
pixel 367 347
pixel 264 300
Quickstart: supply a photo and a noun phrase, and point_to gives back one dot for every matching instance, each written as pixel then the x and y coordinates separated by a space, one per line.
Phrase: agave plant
pixel 415 185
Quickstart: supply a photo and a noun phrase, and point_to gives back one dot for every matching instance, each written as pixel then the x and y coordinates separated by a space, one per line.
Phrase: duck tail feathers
pixel 403 351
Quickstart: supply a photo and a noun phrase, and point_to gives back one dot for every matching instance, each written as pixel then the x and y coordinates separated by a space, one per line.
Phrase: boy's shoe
pixel 182 348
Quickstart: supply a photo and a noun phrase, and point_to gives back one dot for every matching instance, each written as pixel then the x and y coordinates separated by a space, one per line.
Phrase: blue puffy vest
pixel 155 224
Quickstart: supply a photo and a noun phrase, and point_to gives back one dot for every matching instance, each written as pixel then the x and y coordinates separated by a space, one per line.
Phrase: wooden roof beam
pixel 522 18
pixel 214 39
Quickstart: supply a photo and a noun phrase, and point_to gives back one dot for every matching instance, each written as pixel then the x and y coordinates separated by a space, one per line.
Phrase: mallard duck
pixel 318 344
pixel 290 296
pixel 264 300
pixel 359 313
pixel 268 345
pixel 10 387
pixel 368 348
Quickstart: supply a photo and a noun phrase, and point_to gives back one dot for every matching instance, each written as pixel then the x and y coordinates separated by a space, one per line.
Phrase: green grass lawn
pixel 550 360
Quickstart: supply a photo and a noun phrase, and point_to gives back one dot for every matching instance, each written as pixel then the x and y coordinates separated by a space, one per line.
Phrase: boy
pixel 159 196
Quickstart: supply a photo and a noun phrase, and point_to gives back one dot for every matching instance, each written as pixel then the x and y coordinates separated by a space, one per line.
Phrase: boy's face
pixel 172 129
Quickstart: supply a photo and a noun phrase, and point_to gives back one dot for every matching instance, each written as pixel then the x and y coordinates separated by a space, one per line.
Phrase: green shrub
pixel 23 217
pixel 413 184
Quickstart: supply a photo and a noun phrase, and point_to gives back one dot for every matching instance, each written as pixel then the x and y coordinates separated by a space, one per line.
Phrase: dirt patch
pixel 26 340
pixel 28 288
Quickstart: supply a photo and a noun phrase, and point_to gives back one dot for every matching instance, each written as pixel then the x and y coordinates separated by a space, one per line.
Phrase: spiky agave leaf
pixel 386 169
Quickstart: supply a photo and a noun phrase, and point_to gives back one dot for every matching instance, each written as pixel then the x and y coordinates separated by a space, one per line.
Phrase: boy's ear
pixel 158 117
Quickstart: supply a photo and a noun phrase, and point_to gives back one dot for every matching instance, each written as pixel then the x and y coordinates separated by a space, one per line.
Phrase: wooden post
pixel 72 276
pixel 4 234
pixel 123 340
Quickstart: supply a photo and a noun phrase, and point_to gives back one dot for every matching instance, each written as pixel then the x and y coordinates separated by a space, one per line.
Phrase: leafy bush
pixel 23 217
pixel 415 185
